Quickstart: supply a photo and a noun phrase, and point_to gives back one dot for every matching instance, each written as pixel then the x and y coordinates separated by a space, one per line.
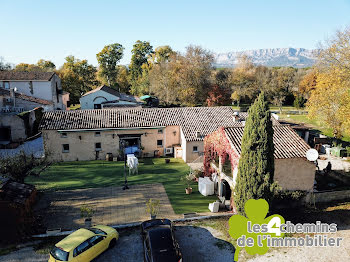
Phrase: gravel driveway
pixel 197 245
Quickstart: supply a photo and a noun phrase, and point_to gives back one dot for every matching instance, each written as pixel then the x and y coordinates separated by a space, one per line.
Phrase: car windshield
pixel 59 254
pixel 161 239
pixel 97 231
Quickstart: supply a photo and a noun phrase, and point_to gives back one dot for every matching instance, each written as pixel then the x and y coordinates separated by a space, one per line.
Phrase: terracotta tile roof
pixel 5 92
pixel 288 144
pixel 204 120
pixel 22 76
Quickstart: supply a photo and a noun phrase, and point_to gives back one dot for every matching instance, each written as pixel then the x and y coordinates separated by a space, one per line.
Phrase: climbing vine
pixel 217 144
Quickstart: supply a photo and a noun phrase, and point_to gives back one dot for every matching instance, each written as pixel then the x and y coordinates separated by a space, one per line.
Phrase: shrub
pixel 152 207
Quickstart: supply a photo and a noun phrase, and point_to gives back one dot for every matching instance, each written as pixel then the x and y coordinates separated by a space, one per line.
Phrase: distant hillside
pixel 295 57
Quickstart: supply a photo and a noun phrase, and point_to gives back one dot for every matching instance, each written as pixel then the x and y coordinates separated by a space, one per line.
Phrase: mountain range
pixel 295 57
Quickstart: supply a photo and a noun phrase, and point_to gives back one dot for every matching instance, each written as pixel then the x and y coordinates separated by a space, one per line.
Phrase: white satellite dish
pixel 312 154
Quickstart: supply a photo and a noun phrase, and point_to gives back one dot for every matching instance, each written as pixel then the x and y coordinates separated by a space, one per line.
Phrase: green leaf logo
pixel 242 228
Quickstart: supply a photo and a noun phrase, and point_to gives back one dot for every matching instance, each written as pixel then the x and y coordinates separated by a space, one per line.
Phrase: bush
pixel 86 211
pixel 18 167
pixel 295 195
pixel 152 207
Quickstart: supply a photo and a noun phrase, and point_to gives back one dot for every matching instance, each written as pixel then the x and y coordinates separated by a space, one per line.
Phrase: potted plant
pixel 187 180
pixel 152 207
pixel 86 212
pixel 197 174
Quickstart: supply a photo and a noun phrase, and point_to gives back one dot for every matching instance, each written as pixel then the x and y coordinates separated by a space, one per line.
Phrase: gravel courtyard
pixel 112 205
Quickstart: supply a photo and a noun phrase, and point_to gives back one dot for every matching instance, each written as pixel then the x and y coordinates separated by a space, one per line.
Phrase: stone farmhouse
pixel 91 134
pixel 105 97
pixel 292 170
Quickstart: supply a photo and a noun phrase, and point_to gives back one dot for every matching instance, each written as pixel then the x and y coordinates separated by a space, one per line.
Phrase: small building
pixel 91 134
pixel 105 96
pixel 16 202
pixel 292 170
pixel 40 85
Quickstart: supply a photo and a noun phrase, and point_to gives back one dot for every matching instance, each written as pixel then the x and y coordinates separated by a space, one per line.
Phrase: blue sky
pixel 31 30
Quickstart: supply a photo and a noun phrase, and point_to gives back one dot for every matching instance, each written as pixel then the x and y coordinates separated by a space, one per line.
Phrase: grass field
pixel 93 174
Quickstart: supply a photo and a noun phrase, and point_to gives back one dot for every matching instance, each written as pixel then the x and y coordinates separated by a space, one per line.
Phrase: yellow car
pixel 84 244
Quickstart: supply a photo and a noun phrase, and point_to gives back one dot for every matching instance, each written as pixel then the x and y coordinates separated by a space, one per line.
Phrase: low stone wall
pixel 328 196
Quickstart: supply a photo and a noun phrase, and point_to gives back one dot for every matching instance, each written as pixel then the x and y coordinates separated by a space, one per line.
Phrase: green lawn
pixel 92 174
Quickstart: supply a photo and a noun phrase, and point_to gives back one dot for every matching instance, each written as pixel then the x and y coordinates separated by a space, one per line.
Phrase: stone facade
pixel 82 143
pixel 16 126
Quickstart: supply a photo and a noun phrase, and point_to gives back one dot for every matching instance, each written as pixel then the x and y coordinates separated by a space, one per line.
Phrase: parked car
pixel 84 244
pixel 159 243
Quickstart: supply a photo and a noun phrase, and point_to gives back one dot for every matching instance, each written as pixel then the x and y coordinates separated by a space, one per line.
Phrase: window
pixel 98 147
pixel 97 231
pixel 159 143
pixel 59 254
pixel 65 148
pixel 81 248
pixel 57 93
pixel 95 240
pixel 1 84
pixel 195 149
pixel 97 133
pixel 7 85
pixel 64 135
pixel 160 131
pixel 97 106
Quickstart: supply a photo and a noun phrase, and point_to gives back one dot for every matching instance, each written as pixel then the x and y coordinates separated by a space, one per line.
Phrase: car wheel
pixel 112 243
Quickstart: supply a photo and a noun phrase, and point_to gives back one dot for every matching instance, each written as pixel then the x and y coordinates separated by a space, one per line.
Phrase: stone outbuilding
pixel 293 171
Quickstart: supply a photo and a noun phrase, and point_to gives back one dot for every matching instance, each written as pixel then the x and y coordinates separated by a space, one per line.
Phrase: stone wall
pixel 82 143
pixel 328 196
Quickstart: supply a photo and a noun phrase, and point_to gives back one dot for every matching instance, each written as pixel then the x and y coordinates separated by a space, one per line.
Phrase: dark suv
pixel 159 243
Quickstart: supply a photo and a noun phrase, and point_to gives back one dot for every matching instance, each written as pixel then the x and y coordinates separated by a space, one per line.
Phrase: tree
pixel 4 65
pixel 46 65
pixel 183 79
pixel 256 164
pixel 308 83
pixel 123 79
pixel 78 77
pixel 161 83
pixel 140 53
pixel 243 79
pixel 108 59
pixel 162 54
pixel 235 97
pixel 218 96
pixel 28 68
pixel 329 100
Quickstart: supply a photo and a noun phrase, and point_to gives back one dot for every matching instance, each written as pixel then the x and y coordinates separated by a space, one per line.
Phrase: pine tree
pixel 256 164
